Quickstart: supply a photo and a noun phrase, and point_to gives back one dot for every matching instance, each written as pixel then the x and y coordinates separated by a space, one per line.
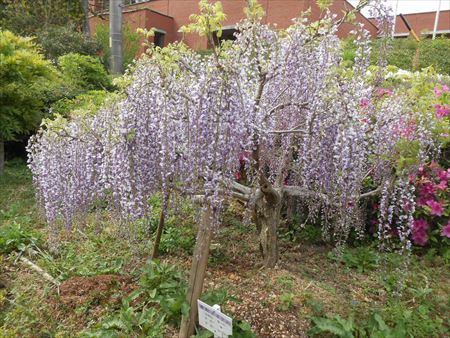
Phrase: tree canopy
pixel 24 73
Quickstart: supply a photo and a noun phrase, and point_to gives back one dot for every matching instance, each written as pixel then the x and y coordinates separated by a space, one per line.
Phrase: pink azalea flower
pixel 422 200
pixel 383 92
pixel 436 208
pixel 444 175
pixel 427 189
pixel 420 238
pixel 408 130
pixel 437 92
pixel 435 166
pixel 364 103
pixel 442 110
pixel 445 232
pixel 419 232
pixel 420 224
pixel 441 186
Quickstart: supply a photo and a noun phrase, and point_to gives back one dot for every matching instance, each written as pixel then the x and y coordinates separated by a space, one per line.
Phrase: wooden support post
pixel 159 231
pixel 198 270
pixel 160 228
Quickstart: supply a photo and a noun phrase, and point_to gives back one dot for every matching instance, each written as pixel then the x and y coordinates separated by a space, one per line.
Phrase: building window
pixel 227 34
pixel 158 39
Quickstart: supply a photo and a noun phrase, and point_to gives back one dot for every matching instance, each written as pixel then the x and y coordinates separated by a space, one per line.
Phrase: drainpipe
pixel 395 19
pixel 436 20
pixel 115 35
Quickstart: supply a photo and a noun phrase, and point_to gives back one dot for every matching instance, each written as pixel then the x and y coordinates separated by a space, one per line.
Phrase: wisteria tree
pixel 267 117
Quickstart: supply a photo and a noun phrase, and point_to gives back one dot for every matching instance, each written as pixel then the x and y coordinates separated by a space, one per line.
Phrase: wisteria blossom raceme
pixel 273 105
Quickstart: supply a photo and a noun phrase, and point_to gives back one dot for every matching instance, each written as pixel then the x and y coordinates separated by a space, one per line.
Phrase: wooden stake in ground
pixel 41 272
pixel 197 274
pixel 160 228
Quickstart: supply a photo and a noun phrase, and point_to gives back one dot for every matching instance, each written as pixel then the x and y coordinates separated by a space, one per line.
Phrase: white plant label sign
pixel 213 320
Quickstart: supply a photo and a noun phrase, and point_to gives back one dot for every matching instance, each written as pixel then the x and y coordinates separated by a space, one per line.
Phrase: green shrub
pixel 24 75
pixel 90 101
pixel 177 239
pixel 339 327
pixel 130 322
pixel 286 301
pixel 395 321
pixel 363 259
pixel 13 237
pixel 84 72
pixel 179 233
pixel 407 54
pixel 164 285
pixel 60 40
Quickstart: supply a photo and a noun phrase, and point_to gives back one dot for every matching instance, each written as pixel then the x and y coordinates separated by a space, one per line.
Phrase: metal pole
pixel 395 18
pixel 436 20
pixel 115 35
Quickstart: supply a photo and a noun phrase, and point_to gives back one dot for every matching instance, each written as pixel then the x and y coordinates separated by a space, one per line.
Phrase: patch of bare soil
pixel 78 291
pixel 256 288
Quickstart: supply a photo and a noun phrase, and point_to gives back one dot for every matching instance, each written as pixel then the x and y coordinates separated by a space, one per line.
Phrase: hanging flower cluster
pixel 274 102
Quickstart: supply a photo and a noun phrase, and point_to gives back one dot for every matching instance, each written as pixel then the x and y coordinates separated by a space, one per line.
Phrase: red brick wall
pixel 423 22
pixel 279 12
pixel 141 18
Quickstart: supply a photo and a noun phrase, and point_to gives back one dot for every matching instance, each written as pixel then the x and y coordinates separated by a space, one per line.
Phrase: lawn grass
pixel 98 265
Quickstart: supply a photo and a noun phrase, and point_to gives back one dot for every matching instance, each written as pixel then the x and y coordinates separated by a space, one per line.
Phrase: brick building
pixel 423 24
pixel 167 16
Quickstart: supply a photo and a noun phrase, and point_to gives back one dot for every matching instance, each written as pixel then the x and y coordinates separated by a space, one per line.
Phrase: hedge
pixel 409 54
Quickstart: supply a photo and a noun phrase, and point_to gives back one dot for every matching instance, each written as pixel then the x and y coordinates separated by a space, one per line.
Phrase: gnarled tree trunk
pixel 267 215
pixel 85 7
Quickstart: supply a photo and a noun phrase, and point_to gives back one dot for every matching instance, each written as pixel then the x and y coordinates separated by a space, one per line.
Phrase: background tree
pixel 24 74
pixel 85 7
pixel 60 40
pixel 28 17
pixel 60 26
